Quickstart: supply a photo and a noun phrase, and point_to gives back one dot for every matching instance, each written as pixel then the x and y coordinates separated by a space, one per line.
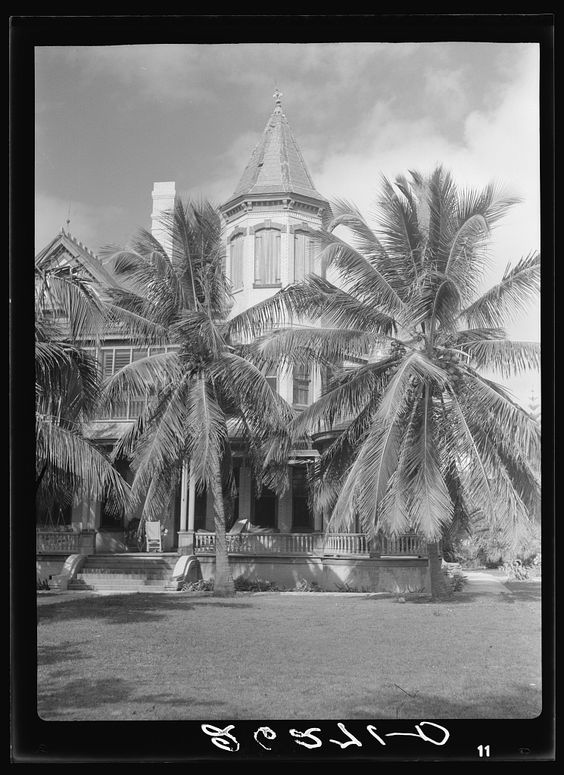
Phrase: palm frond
pixel 509 298
pixel 347 214
pixel 491 406
pixel 309 345
pixel 69 457
pixel 503 356
pixel 164 443
pixel 207 432
pixel 73 299
pixel 429 506
pixel 363 278
pixel 347 399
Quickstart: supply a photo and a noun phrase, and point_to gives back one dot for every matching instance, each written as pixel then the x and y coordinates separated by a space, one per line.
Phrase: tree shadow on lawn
pixel 126 609
pixel 76 700
pixel 391 702
pixel 525 590
pixel 461 597
pixel 62 652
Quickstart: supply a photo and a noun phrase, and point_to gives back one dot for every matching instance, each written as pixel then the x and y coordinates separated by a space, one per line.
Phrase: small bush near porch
pixel 274 656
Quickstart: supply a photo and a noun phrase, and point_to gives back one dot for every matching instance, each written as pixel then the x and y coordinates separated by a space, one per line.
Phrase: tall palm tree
pixel 428 438
pixel 197 391
pixel 67 311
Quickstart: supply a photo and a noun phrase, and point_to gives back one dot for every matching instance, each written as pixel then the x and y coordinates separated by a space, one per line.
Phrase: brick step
pixel 78 584
pixel 133 576
pixel 124 569
pixel 149 566
pixel 144 563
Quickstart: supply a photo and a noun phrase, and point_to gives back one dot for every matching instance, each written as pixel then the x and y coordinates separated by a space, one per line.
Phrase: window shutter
pixel 237 262
pixel 122 358
pixel 267 256
pixel 258 258
pixel 107 363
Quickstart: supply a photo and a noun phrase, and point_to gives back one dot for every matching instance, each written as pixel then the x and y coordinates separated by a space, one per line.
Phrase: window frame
pixel 277 232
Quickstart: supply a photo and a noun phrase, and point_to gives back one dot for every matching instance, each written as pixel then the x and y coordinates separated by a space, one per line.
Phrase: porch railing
pixel 345 543
pixel 328 544
pixel 57 542
pixel 403 544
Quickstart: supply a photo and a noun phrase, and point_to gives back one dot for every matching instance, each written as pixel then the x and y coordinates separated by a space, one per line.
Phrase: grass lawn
pixel 271 656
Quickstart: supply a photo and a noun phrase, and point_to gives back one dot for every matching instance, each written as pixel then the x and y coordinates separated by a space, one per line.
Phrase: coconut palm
pixel 428 437
pixel 68 310
pixel 198 390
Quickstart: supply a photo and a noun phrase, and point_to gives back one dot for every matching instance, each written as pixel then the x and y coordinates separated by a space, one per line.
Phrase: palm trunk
pixel 439 587
pixel 223 582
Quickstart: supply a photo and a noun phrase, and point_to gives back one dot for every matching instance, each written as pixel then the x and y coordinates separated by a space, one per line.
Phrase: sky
pixel 112 120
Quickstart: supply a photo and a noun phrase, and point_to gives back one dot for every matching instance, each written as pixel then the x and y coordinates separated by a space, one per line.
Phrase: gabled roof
pixel 276 165
pixel 71 251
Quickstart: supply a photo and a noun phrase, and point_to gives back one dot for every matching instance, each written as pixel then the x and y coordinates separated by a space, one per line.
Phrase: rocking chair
pixel 153 541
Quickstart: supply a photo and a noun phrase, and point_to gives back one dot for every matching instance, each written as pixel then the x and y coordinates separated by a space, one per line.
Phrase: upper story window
pixel 111 360
pixel 304 254
pixel 267 257
pixel 302 383
pixel 271 376
pixel 236 254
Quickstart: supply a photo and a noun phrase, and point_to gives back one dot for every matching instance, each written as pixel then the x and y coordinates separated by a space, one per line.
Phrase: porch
pixel 315 544
pixel 331 561
pixel 66 541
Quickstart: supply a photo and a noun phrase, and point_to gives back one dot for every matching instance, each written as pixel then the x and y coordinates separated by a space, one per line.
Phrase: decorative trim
pixel 303 226
pixel 238 231
pixel 268 225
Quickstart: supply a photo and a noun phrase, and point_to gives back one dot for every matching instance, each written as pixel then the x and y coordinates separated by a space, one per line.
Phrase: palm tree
pixel 68 310
pixel 196 391
pixel 428 438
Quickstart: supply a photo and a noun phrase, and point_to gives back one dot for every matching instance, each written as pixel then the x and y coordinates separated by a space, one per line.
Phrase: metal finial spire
pixel 277 96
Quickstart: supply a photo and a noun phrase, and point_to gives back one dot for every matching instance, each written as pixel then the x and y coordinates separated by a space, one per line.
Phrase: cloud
pixel 88 222
pixel 500 144
pixel 444 89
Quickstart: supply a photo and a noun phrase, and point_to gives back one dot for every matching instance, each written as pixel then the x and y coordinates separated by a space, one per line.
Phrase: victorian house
pixel 270 223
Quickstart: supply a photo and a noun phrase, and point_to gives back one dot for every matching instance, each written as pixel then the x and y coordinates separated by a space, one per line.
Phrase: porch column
pixel 183 497
pixel 285 509
pixel 187 502
pixel 191 501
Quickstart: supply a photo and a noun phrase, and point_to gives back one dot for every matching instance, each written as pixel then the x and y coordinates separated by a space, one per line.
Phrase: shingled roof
pixel 276 165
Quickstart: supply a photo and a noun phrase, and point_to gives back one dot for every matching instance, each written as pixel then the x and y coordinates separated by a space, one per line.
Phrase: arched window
pixel 236 254
pixel 267 257
pixel 304 254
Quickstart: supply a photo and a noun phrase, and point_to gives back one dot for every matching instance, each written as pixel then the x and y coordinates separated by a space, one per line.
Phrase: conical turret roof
pixel 276 165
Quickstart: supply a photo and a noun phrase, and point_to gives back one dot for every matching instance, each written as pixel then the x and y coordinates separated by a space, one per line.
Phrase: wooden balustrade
pixel 57 542
pixel 319 544
pixel 346 544
pixel 408 544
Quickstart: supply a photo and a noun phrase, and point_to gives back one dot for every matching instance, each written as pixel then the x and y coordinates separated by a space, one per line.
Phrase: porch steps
pixel 125 572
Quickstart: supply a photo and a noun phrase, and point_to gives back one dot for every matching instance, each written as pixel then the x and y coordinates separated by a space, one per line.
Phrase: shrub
pixel 255 585
pixel 303 585
pixel 344 587
pixel 42 584
pixel 202 585
pixel 525 568
pixel 456 579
